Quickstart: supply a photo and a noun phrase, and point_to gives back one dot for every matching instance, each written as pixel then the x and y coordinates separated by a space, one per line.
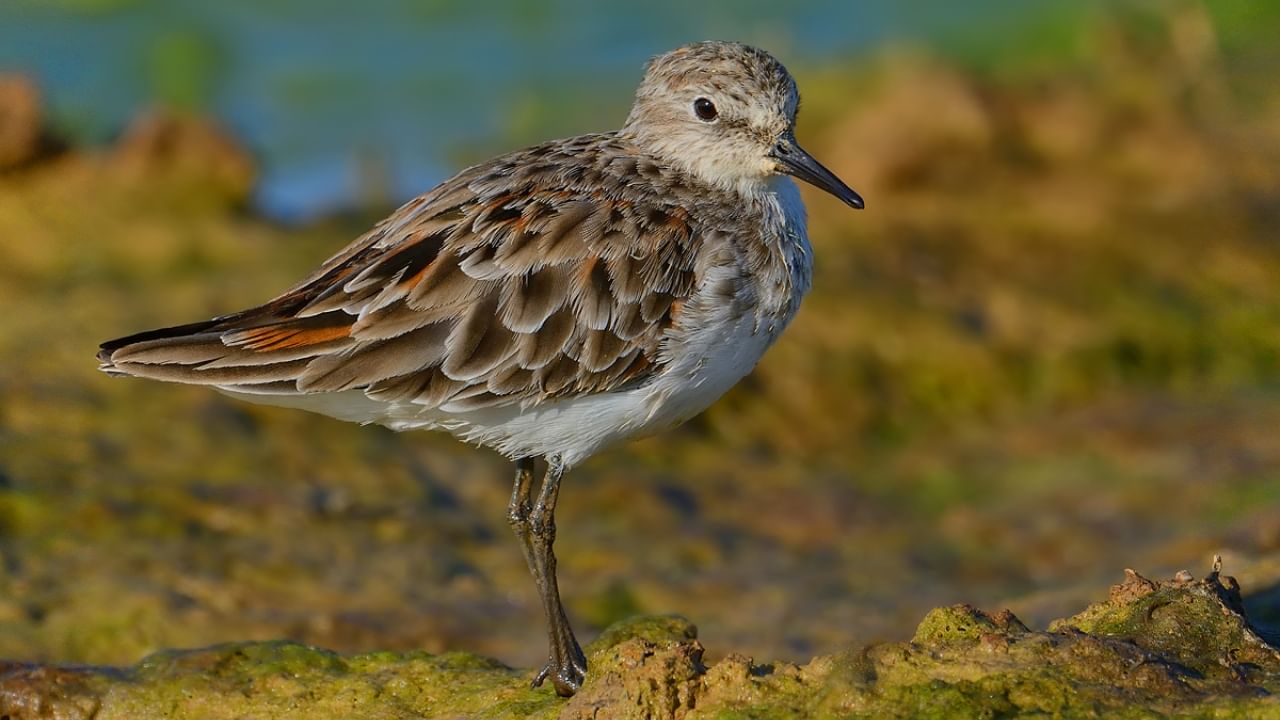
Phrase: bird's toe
pixel 566 676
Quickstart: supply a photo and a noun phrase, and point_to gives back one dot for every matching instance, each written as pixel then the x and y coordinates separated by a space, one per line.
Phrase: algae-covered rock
pixel 965 622
pixel 191 153
pixel 1199 623
pixel 1179 648
pixel 1169 648
pixel 32 691
pixel 644 667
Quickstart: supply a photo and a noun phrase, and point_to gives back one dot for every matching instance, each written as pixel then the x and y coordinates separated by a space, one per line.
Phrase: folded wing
pixel 515 282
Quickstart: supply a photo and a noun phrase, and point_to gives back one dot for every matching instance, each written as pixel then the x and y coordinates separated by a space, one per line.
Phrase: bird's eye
pixel 704 109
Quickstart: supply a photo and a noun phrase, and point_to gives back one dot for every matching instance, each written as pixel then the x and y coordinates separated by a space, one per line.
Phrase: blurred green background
pixel 1049 349
pixel 341 103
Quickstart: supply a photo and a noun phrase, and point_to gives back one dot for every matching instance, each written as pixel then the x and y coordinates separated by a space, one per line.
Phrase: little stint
pixel 552 301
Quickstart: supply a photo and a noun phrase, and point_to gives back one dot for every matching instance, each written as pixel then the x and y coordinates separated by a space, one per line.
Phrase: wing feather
pixel 515 282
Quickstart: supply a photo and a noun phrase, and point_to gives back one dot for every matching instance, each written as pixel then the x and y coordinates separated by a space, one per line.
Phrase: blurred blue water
pixel 336 97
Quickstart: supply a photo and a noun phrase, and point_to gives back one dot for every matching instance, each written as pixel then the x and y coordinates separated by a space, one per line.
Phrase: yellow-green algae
pixel 1059 305
pixel 1182 619
pixel 1200 658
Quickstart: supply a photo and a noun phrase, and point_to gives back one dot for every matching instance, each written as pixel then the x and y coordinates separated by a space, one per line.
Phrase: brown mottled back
pixel 518 280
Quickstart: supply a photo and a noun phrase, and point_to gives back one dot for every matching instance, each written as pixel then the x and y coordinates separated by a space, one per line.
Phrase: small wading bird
pixel 552 301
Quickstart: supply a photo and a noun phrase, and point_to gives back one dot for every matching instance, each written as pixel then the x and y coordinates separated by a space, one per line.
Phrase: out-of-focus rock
pixel 1060 122
pixel 191 151
pixel 22 136
pixel 51 693
pixel 920 119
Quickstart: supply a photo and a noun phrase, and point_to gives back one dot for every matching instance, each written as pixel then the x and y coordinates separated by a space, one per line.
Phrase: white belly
pixel 703 368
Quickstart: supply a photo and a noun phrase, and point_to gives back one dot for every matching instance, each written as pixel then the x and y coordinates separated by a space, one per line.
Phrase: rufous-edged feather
pixel 517 281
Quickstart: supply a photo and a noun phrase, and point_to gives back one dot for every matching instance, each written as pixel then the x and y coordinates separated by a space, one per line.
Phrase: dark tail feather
pixel 220 352
pixel 109 348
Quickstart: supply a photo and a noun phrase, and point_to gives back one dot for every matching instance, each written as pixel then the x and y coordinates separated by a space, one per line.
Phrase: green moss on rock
pixel 1181 648
pixel 1198 623
pixel 965 623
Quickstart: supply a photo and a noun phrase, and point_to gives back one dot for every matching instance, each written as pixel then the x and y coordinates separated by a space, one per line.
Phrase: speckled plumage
pixel 554 300
pixel 541 276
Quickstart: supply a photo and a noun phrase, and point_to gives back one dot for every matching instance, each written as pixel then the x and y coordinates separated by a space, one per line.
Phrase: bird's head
pixel 726 114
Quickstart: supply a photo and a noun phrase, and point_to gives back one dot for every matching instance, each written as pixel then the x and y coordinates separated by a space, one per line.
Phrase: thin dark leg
pixel 518 516
pixel 566 664
pixel 518 510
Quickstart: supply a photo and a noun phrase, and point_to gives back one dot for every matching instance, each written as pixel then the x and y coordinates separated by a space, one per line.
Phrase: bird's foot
pixel 566 669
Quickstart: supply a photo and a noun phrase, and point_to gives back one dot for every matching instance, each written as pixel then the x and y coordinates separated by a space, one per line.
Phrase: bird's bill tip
pixel 793 160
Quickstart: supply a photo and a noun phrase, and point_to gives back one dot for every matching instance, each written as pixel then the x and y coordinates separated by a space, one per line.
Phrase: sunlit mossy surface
pixel 1179 648
pixel 1049 349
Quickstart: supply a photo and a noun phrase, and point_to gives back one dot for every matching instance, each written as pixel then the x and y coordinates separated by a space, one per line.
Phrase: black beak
pixel 793 160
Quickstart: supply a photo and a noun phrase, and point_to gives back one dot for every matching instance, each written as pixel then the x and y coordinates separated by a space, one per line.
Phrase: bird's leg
pixel 534 526
pixel 566 665
pixel 518 512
